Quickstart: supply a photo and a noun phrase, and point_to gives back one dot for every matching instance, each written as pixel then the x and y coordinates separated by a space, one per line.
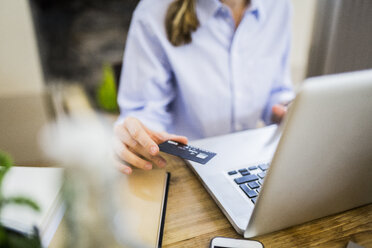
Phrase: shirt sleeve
pixel 282 89
pixel 146 86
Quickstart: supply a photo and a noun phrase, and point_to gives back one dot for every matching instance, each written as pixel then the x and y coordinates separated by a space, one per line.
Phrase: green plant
pixel 12 238
pixel 106 92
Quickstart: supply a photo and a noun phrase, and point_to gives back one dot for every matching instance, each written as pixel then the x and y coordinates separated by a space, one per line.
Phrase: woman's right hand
pixel 136 145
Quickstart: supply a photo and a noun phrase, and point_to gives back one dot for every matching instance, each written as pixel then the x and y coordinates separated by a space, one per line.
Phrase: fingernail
pixel 153 150
pixel 148 166
pixel 127 171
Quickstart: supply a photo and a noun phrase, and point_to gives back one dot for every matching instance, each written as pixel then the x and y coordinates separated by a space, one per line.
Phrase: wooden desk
pixel 193 219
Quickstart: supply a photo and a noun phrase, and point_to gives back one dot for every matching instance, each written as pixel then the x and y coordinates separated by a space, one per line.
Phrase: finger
pixel 135 160
pixel 118 163
pixel 127 139
pixel 161 137
pixel 178 138
pixel 139 134
pixel 127 155
pixel 138 149
pixel 122 133
pixel 278 112
pixel 123 168
pixel 157 160
pixel 135 147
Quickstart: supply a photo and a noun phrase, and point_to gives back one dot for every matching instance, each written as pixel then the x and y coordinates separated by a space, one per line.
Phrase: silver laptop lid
pixel 323 163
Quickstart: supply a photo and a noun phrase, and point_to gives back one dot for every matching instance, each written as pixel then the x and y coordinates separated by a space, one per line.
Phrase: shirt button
pixel 238 127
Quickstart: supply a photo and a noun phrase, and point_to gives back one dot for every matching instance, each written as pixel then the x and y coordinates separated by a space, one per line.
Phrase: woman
pixel 200 68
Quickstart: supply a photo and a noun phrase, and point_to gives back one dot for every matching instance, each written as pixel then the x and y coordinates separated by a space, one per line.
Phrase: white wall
pixel 303 19
pixel 20 70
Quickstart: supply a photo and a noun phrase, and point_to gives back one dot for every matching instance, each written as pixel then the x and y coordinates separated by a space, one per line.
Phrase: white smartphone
pixel 222 242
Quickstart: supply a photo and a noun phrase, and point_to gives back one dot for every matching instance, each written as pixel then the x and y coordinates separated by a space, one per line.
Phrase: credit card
pixel 186 151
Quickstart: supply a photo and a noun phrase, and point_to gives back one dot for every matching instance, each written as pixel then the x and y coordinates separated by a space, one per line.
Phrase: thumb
pixel 160 137
pixel 164 136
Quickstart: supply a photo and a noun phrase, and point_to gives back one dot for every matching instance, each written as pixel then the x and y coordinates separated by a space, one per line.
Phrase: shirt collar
pixel 205 9
pixel 208 8
pixel 257 9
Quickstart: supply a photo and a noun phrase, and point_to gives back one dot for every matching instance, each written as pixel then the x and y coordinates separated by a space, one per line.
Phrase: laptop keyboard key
pixel 254 199
pixel 250 193
pixel 253 185
pixel 245 179
pixel 260 181
pixel 232 173
pixel 252 168
pixel 258 190
pixel 245 173
pixel 264 166
pixel 262 175
pixel 242 170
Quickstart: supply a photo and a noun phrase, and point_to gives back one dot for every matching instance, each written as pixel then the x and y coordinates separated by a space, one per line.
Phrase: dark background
pixel 76 37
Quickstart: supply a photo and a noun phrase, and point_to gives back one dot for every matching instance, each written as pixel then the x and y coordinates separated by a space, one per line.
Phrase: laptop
pixel 318 162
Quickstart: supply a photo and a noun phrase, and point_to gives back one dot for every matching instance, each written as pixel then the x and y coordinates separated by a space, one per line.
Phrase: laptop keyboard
pixel 250 179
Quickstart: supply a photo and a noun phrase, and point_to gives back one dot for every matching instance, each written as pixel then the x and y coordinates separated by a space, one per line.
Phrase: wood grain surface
pixel 193 219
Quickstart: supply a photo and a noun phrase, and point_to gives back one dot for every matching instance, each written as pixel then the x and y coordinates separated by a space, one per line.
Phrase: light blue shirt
pixel 224 81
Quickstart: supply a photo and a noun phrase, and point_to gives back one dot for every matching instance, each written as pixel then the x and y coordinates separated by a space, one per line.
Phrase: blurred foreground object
pixel 104 208
pixel 92 216
pixel 17 223
pixel 23 116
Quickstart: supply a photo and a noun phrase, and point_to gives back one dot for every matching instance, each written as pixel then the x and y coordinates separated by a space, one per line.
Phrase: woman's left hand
pixel 278 112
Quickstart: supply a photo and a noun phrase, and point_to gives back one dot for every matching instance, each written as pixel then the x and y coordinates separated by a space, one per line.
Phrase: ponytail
pixel 181 21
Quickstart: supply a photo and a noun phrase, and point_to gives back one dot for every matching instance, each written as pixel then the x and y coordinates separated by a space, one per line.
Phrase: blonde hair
pixel 180 21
